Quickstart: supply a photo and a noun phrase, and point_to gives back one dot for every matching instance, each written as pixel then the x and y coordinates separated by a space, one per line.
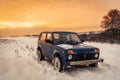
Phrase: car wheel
pixel 58 64
pixel 94 65
pixel 40 56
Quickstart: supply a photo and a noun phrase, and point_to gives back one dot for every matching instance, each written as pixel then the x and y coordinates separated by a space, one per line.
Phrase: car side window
pixel 49 36
pixel 43 36
pixel 56 36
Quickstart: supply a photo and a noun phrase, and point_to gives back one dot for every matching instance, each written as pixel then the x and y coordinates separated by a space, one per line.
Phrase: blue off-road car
pixel 66 49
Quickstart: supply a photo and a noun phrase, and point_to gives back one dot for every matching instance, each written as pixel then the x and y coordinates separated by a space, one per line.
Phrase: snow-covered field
pixel 18 62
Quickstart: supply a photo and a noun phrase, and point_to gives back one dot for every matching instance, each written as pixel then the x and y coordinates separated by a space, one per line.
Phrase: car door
pixel 41 42
pixel 49 46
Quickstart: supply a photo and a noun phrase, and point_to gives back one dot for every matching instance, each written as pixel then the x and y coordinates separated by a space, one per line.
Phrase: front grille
pixel 83 56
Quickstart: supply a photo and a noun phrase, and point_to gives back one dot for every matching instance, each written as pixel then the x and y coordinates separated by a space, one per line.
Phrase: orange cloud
pixel 54 14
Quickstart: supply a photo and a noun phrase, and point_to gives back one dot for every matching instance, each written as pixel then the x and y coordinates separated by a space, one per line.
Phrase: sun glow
pixel 10 24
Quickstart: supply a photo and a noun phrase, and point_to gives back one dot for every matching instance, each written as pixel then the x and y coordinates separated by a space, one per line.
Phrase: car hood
pixel 79 46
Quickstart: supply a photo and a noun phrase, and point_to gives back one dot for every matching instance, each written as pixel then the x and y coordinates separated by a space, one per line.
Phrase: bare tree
pixel 111 21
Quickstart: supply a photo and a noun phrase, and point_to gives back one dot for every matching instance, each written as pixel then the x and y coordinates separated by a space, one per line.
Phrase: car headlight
pixel 96 55
pixel 70 57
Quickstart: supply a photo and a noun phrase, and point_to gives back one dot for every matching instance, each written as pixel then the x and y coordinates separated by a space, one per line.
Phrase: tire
pixel 58 65
pixel 94 65
pixel 40 56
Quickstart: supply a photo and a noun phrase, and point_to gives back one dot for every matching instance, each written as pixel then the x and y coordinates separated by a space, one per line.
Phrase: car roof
pixel 57 32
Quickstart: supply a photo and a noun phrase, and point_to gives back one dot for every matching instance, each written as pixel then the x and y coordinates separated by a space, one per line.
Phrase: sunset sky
pixel 22 17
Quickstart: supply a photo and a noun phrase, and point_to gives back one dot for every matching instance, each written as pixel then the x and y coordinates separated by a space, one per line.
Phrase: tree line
pixel 111 26
pixel 111 21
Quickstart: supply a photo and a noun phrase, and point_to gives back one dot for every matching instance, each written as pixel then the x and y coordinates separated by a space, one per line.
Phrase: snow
pixel 18 62
pixel 65 46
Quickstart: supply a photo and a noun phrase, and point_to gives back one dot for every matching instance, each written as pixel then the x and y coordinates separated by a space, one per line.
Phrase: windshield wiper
pixel 61 41
pixel 72 42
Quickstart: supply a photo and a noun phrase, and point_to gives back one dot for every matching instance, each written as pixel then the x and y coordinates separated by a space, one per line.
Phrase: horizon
pixel 35 34
pixel 29 17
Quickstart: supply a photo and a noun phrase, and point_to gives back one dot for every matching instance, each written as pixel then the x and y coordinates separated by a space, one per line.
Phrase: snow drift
pixel 18 62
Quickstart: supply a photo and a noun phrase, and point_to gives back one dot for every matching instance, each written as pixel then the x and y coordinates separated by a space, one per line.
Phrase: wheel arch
pixel 58 55
pixel 39 48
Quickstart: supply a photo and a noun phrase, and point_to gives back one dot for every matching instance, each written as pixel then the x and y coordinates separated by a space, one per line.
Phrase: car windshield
pixel 66 38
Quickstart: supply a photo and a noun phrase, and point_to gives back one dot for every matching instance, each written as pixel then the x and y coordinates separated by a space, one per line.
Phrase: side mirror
pixel 82 40
pixel 48 41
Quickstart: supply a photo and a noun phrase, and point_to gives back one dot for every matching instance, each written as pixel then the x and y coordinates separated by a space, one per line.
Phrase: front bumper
pixel 85 62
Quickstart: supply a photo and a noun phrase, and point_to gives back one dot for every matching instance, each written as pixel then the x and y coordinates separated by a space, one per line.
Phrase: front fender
pixel 61 54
